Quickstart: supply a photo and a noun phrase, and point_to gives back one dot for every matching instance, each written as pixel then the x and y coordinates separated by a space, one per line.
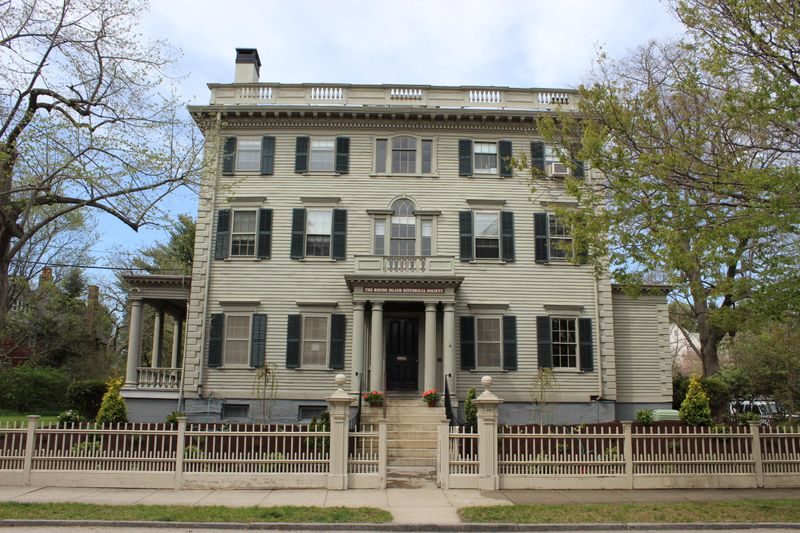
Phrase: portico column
pixel 376 348
pixel 177 340
pixel 358 347
pixel 449 352
pixel 158 332
pixel 430 346
pixel 134 344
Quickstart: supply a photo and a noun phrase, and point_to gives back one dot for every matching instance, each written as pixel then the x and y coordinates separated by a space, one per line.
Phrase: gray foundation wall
pixel 149 409
pixel 280 411
pixel 557 413
pixel 627 411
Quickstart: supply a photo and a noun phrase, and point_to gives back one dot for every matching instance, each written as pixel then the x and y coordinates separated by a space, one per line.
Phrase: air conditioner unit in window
pixel 558 169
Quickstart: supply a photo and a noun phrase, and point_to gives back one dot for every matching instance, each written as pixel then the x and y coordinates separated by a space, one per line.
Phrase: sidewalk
pixel 427 505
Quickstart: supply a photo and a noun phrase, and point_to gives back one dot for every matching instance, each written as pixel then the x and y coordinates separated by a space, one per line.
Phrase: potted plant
pixel 374 398
pixel 431 396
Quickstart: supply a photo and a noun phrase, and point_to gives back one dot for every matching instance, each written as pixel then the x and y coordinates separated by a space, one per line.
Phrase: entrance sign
pixel 404 290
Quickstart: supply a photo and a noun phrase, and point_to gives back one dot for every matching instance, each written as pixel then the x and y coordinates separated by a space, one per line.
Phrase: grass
pixel 11 417
pixel 743 511
pixel 185 513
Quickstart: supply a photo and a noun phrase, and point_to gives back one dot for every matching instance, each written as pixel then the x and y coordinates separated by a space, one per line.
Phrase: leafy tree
pixel 174 256
pixel 695 409
pixel 87 120
pixel 113 408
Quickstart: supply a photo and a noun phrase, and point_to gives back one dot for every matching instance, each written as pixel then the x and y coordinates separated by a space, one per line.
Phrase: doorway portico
pixel 403 324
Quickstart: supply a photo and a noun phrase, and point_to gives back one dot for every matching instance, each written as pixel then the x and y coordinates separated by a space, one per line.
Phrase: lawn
pixel 743 511
pixel 11 418
pixel 185 513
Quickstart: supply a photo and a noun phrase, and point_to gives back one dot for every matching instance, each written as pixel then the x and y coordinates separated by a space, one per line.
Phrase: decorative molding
pixel 487 307
pixel 247 200
pixel 240 305
pixel 317 305
pixel 485 203
pixel 564 309
pixel 559 203
pixel 380 212
pixel 427 212
pixel 320 200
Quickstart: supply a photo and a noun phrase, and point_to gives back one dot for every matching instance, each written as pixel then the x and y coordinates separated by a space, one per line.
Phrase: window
pixel 409 233
pixel 564 341
pixel 404 229
pixel 489 342
pixel 243 236
pixel 248 156
pixel 318 233
pixel 237 339
pixel 235 410
pixel 553 240
pixel 427 237
pixel 404 155
pixel 548 161
pixel 487 235
pixel 315 341
pixel 485 158
pixel 306 412
pixel 322 155
pixel 380 236
pixel 560 240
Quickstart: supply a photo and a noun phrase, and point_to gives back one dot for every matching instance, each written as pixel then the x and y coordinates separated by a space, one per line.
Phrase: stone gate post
pixel 487 402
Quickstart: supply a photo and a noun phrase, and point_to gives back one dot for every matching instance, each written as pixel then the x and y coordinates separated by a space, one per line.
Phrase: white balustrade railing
pixel 485 97
pixel 259 92
pixel 406 94
pixel 405 264
pixel 553 98
pixel 411 265
pixel 159 378
pixel 326 93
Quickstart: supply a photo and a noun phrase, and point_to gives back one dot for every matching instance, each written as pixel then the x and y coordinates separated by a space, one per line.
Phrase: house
pixel 380 231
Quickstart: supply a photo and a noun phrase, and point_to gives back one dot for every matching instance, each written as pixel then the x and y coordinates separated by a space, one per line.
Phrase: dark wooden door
pixel 402 354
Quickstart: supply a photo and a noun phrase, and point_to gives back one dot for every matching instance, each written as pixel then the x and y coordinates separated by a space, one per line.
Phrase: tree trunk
pixel 710 337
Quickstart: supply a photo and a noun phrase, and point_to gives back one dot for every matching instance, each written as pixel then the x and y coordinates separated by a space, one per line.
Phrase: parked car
pixel 766 408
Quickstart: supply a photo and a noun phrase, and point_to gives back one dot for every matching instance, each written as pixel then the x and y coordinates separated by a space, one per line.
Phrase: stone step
pixel 411 461
pixel 411 426
pixel 411 443
pixel 412 435
pixel 412 452
pixel 411 477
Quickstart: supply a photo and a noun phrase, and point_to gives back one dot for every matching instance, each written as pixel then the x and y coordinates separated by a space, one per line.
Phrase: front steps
pixel 411 428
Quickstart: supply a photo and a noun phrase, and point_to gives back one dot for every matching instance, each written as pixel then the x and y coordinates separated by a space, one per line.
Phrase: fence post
pixel 30 444
pixel 487 402
pixel 627 431
pixel 382 452
pixel 339 409
pixel 180 450
pixel 443 457
pixel 755 430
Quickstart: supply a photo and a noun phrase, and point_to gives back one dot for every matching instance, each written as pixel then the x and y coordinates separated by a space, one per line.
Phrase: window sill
pixel 487 262
pixel 314 369
pixel 488 176
pixel 567 370
pixel 489 370
pixel 385 175
pixel 314 259
pixel 244 259
pixel 232 367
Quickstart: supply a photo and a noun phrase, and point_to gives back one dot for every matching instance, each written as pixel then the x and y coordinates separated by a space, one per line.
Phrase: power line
pixel 69 265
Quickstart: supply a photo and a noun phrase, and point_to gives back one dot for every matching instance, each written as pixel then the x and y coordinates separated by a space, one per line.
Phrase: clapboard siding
pixel 278 283
pixel 642 351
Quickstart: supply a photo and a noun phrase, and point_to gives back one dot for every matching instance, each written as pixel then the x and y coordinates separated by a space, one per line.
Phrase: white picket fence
pixel 193 455
pixel 620 456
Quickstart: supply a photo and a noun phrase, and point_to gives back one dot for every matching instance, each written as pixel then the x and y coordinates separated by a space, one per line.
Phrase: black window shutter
pixel 223 232
pixel 342 155
pixel 258 341
pixel 509 342
pixel 264 233
pixel 293 341
pixel 229 155
pixel 586 347
pixel 508 235
pixel 215 341
pixel 267 155
pixel 298 233
pixel 542 246
pixel 339 247
pixel 338 326
pixel 465 235
pixel 301 155
pixel 577 170
pixel 467 342
pixel 543 342
pixel 537 155
pixel 504 152
pixel 464 157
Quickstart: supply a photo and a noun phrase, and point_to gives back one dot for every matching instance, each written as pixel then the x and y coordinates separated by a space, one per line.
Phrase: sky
pixel 516 43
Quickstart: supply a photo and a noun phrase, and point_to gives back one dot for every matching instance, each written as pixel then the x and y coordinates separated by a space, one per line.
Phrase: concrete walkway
pixel 427 505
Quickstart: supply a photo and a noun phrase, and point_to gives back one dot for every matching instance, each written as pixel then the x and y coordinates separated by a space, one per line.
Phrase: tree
pixel 86 120
pixel 696 408
pixel 174 256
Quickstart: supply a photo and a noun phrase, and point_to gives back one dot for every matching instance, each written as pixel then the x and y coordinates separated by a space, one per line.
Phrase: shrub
pixel 172 418
pixel 645 417
pixel 25 388
pixel 113 408
pixel 89 447
pixel 696 408
pixel 470 409
pixel 374 398
pixel 71 416
pixel 86 397
pixel 431 396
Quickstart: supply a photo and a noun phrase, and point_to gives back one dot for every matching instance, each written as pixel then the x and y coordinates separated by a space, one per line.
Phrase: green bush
pixel 27 389
pixel 113 408
pixel 645 417
pixel 470 409
pixel 679 385
pixel 172 418
pixel 696 408
pixel 86 397
pixel 70 416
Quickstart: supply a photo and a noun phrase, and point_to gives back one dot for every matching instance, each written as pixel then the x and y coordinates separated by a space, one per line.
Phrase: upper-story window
pixel 484 158
pixel 243 233
pixel 554 241
pixel 402 231
pixel 319 232
pixel 322 154
pixel 486 234
pixel 249 154
pixel 404 155
pixel 547 159
pixel 560 240
pixel 565 342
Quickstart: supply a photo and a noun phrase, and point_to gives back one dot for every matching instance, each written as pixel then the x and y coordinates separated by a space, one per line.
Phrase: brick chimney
pixel 46 276
pixel 248 66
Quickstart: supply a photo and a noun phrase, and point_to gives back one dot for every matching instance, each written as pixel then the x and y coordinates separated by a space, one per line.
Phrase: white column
pixel 449 352
pixel 158 333
pixel 134 344
pixel 357 360
pixel 430 346
pixel 177 340
pixel 376 380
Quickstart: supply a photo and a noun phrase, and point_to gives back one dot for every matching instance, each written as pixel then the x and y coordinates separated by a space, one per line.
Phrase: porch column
pixel 449 352
pixel 177 340
pixel 430 346
pixel 158 333
pixel 376 380
pixel 134 344
pixel 358 348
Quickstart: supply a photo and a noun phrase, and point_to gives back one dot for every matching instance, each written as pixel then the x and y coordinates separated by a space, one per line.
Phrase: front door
pixel 402 354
